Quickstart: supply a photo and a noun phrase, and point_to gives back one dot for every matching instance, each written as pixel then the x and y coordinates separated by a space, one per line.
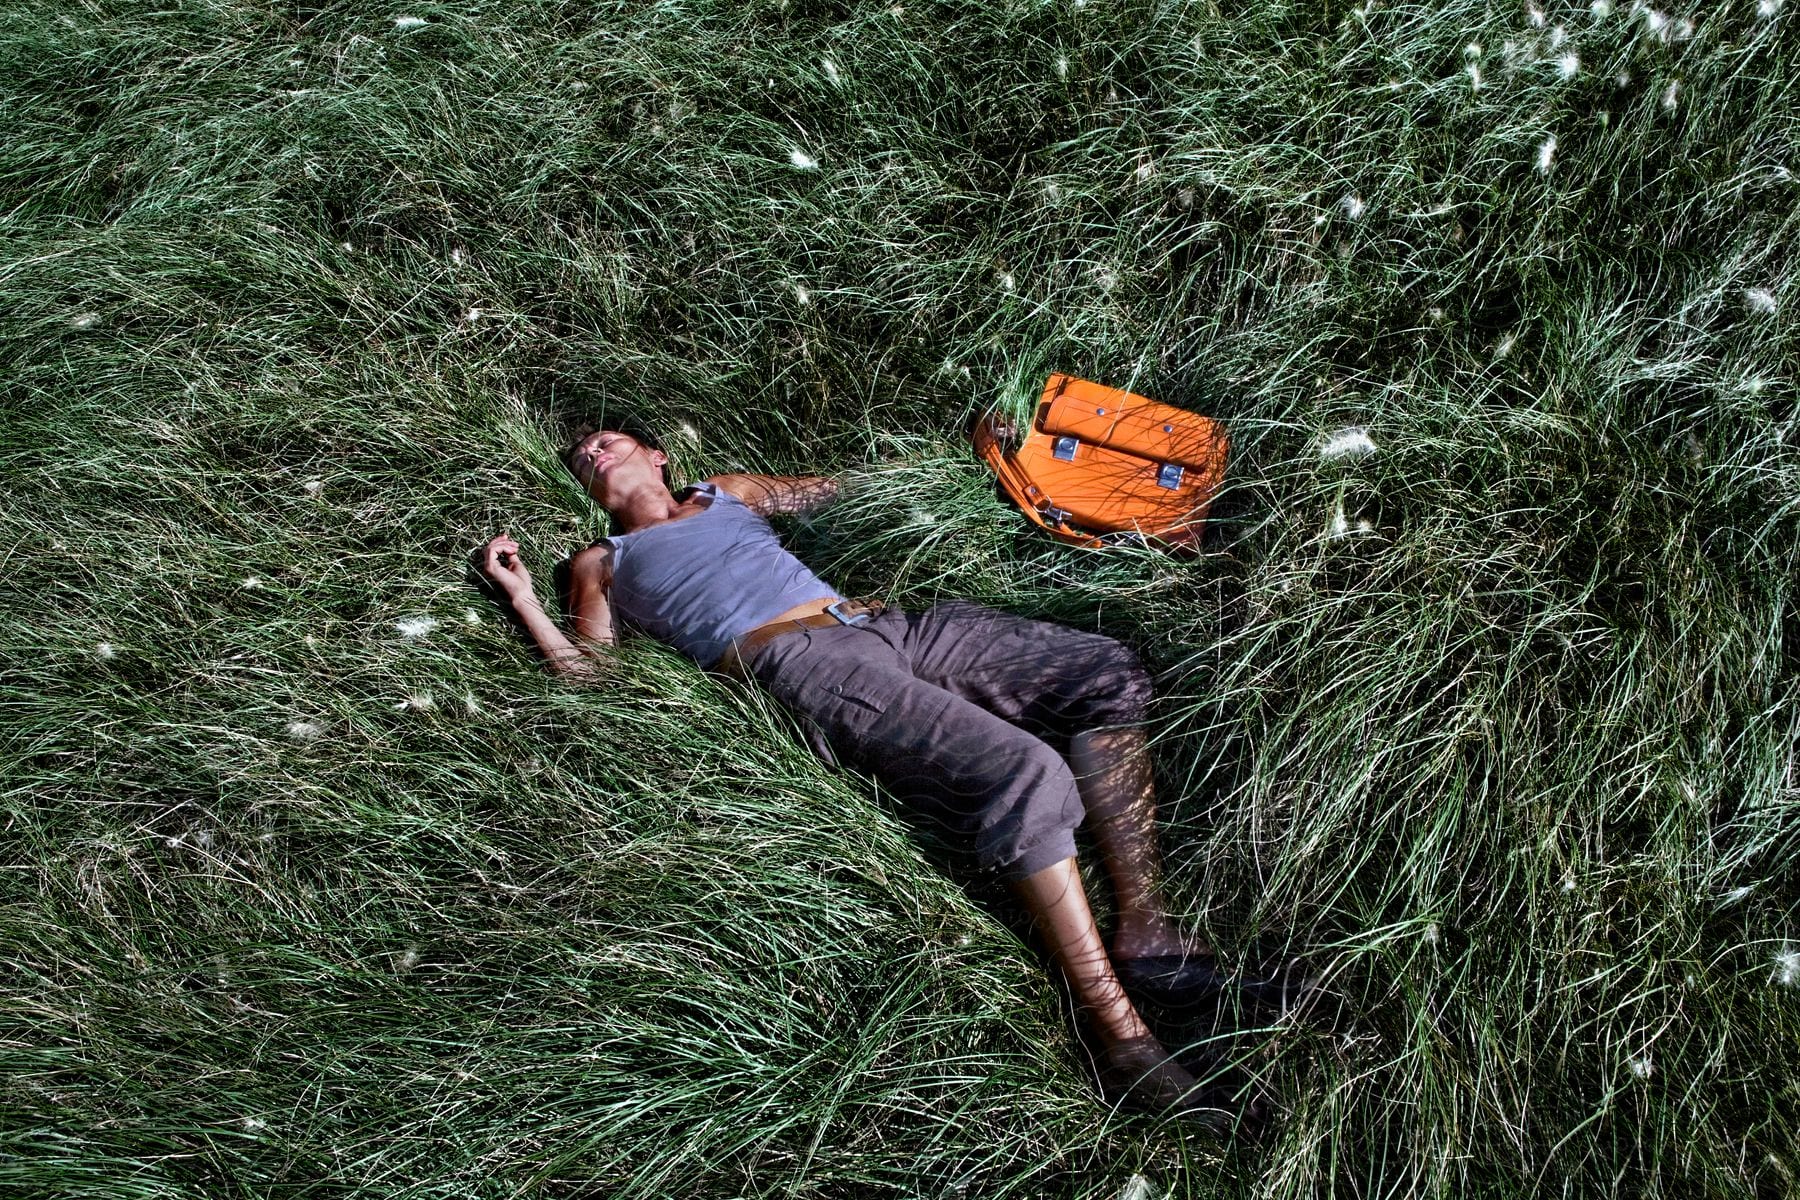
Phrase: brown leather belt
pixel 853 612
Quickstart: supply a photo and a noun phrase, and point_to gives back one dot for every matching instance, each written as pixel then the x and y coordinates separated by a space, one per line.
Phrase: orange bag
pixel 1104 467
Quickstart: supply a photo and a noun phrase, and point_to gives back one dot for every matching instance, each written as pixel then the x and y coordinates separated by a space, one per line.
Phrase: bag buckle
pixel 1064 448
pixel 854 619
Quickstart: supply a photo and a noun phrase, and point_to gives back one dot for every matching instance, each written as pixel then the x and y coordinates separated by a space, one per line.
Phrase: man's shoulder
pixel 752 490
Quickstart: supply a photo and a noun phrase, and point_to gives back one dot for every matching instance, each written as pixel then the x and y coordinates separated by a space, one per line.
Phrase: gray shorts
pixel 965 714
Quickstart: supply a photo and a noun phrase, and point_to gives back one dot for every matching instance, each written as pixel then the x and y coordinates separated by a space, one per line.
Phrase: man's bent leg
pixel 1112 770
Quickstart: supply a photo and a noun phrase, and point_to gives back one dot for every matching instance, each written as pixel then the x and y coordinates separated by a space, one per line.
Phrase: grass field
pixel 316 884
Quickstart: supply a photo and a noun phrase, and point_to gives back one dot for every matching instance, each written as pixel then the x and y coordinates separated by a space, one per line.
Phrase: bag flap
pixel 1130 423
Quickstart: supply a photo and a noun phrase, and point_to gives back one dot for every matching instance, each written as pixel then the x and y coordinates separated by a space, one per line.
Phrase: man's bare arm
pixel 771 494
pixel 501 563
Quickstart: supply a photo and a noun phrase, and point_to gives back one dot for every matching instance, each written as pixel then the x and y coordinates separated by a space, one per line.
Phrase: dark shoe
pixel 1140 1073
pixel 1185 983
pixel 1172 980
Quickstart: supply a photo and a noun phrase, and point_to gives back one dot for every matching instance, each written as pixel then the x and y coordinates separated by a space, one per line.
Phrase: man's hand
pixel 500 562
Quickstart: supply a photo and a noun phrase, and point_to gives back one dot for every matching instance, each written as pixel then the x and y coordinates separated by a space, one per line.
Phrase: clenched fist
pixel 501 563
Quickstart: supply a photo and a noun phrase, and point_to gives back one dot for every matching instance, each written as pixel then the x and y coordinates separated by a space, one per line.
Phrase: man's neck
pixel 650 505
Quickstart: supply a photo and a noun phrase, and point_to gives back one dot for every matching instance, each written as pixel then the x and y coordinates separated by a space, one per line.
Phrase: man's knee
pixel 1119 691
pixel 1031 823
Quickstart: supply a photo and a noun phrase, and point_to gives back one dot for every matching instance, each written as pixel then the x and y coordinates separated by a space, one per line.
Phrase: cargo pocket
pixel 842 712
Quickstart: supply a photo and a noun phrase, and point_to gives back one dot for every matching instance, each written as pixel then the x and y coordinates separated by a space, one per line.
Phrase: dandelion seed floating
pixel 313 487
pixel 803 160
pixel 1601 9
pixel 104 651
pixel 1353 207
pixel 1767 8
pixel 1351 442
pixel 1568 66
pixel 1668 100
pixel 415 627
pixel 86 320
pixel 1557 37
pixel 1432 934
pixel 408 22
pixel 1760 299
pixel 1736 894
pixel 1535 15
pixel 830 69
pixel 690 433
pixel 1007 283
pixel 1641 1067
pixel 420 703
pixel 304 731
pixel 802 296
pixel 1545 152
pixel 1505 346
pixel 1474 77
pixel 1787 967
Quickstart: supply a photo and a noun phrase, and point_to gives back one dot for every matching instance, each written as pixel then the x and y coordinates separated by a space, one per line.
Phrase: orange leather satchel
pixel 1104 467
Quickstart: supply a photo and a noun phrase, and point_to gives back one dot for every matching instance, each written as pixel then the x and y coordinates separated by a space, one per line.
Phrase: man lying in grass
pixel 964 712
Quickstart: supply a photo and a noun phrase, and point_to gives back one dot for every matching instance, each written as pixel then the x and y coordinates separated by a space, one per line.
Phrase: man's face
pixel 606 459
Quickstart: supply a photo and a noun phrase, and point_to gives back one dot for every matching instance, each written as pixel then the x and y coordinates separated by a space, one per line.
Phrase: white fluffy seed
pixel 1787 967
pixel 1760 299
pixel 408 22
pixel 803 160
pixel 304 731
pixel 1353 441
pixel 1545 152
pixel 104 651
pixel 413 627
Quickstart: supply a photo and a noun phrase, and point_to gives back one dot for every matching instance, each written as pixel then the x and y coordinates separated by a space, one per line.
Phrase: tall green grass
pixel 315 884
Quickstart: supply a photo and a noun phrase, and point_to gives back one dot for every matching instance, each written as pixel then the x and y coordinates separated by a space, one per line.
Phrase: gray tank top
pixel 699 581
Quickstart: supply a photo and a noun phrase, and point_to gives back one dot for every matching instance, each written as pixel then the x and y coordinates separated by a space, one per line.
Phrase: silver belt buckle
pixel 857 619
